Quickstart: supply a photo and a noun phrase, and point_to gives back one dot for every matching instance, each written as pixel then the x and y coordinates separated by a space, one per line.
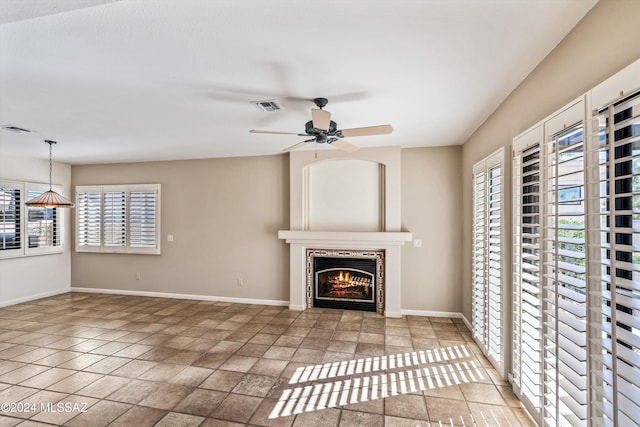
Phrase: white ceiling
pixel 138 80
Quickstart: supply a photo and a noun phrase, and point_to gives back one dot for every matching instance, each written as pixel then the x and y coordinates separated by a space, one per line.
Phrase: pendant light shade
pixel 49 199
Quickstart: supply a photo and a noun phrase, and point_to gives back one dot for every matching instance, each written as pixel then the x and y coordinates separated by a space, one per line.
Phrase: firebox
pixel 345 279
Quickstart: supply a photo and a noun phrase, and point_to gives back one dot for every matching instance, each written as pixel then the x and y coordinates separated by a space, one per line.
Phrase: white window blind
pixel 615 250
pixel 114 219
pixel 142 219
pixel 564 281
pixel 10 217
pixel 88 217
pixel 576 278
pixel 550 305
pixel 42 224
pixel 479 307
pixel 117 218
pixel 527 283
pixel 494 264
pixel 487 276
pixel 26 231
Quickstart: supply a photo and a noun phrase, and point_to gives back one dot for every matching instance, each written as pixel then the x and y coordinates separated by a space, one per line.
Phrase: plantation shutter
pixel 41 224
pixel 42 227
pixel 142 218
pixel 494 285
pixel 118 218
pixel 487 296
pixel 527 292
pixel 479 254
pixel 114 219
pixel 616 320
pixel 10 224
pixel 564 281
pixel 89 218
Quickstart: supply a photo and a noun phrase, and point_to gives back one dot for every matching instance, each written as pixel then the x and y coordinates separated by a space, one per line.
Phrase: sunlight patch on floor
pixel 405 379
pixel 378 363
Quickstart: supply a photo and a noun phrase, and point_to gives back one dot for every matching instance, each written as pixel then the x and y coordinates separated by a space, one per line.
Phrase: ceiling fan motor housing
pixel 320 102
pixel 310 130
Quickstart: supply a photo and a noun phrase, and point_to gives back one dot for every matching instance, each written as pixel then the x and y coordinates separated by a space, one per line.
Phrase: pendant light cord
pixel 50 142
pixel 50 163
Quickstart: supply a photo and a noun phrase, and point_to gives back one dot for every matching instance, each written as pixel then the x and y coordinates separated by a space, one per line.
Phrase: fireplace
pixel 366 186
pixel 345 279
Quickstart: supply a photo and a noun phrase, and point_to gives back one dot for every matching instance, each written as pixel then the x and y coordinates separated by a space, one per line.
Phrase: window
pixel 615 282
pixel 118 218
pixel 576 277
pixel 564 280
pixel 42 224
pixel 27 231
pixel 549 366
pixel 487 296
pixel 527 299
pixel 10 208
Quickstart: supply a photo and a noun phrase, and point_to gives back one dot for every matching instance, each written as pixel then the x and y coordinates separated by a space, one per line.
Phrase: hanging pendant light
pixel 49 199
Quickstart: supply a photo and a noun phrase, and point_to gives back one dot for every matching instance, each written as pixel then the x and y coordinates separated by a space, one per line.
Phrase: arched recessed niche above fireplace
pixel 344 195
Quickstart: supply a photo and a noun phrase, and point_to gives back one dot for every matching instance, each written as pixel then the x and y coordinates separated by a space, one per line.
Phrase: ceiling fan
pixel 323 130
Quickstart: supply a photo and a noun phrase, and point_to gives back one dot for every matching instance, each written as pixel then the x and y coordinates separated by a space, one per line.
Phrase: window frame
pixel 544 390
pixel 565 298
pixel 59 222
pixel 126 247
pixel 583 379
pixel 614 284
pixel 486 285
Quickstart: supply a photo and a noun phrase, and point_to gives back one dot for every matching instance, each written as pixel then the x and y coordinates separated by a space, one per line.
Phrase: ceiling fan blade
pixel 366 131
pixel 345 146
pixel 276 133
pixel 320 118
pixel 293 147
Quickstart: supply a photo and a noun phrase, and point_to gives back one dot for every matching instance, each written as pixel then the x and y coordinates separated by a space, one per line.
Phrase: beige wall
pixel 31 277
pixel 605 41
pixel 431 210
pixel 225 212
pixel 224 215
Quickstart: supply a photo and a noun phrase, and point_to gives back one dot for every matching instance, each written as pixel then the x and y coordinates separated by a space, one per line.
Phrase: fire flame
pixel 344 277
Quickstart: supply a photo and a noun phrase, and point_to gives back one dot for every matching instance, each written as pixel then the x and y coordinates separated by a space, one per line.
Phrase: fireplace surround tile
pixel 389 243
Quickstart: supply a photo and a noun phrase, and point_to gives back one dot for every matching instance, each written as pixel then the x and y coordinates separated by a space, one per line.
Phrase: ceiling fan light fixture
pixel 50 199
pixel 268 105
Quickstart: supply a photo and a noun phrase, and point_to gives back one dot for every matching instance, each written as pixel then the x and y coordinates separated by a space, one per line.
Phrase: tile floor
pixel 90 359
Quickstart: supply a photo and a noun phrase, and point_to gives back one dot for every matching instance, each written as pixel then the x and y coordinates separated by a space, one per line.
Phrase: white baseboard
pixel 466 322
pixel 181 296
pixel 428 313
pixel 34 297
pixel 393 314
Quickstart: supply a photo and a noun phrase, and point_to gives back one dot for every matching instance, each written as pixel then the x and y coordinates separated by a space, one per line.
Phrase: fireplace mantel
pixel 349 238
pixel 390 242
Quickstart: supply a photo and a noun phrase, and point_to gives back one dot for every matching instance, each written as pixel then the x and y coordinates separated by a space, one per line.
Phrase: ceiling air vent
pixel 15 129
pixel 268 105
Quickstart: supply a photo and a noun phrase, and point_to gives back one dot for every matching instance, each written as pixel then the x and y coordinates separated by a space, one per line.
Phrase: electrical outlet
pixel 138 276
pixel 240 281
pixel 417 243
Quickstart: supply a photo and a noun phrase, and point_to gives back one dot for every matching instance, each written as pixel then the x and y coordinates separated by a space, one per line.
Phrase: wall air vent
pixel 15 129
pixel 268 105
